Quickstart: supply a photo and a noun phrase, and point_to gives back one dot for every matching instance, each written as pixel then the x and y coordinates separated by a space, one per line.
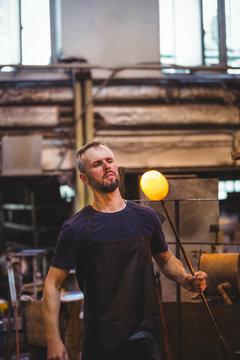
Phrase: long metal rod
pixel 219 336
pixel 178 287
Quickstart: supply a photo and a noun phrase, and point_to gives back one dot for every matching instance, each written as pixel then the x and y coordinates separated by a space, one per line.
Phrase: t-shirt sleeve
pixel 158 241
pixel 65 253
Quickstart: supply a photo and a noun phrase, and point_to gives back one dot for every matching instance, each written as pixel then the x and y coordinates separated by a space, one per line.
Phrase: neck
pixel 108 202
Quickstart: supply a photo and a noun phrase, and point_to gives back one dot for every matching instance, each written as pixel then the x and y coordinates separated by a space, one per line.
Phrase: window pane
pixel 9 32
pixel 210 26
pixel 180 32
pixel 166 31
pixel 36 46
pixel 233 31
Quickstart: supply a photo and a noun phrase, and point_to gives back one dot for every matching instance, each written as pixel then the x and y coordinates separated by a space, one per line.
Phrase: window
pixel 25 32
pixel 178 45
pixel 200 32
pixel 67 193
pixel 210 30
pixel 233 32
pixel 226 187
pixel 36 46
pixel 9 32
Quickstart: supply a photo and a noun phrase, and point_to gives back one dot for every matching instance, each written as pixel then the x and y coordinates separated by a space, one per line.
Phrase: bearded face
pixel 101 172
pixel 109 183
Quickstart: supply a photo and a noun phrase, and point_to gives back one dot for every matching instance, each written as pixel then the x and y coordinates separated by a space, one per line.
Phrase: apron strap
pixel 89 220
pixel 81 246
pixel 81 249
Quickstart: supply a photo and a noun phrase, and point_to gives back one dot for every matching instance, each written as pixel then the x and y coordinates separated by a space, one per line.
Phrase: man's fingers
pixel 196 282
pixel 201 275
pixel 66 356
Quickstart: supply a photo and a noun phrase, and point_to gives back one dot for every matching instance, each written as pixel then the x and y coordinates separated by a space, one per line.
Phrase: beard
pixel 104 186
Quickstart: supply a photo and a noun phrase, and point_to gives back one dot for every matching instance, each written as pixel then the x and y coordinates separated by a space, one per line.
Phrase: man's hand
pixel 57 351
pixel 195 283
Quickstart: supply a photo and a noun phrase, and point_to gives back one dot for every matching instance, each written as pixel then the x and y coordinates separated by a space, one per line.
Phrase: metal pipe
pixel 140 66
pixel 219 336
pixel 222 290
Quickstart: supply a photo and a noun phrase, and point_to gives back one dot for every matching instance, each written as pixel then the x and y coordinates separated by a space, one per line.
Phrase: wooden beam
pixel 166 94
pixel 166 115
pixel 35 95
pixel 163 94
pixel 171 151
pixel 25 116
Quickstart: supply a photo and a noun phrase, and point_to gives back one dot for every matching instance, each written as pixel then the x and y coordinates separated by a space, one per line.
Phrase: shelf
pixel 15 226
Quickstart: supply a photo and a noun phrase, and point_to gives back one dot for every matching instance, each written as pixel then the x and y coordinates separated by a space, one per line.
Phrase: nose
pixel 106 165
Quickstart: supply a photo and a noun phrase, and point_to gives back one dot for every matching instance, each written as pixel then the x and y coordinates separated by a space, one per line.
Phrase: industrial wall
pixel 179 123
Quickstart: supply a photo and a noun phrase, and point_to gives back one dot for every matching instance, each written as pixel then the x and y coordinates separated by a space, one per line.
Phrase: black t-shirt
pixel 119 225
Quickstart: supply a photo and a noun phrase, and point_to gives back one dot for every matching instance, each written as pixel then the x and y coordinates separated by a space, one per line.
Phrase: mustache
pixel 108 172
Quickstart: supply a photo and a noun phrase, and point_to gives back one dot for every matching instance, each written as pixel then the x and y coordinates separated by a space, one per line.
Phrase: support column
pixel 89 125
pixel 80 191
pixel 84 130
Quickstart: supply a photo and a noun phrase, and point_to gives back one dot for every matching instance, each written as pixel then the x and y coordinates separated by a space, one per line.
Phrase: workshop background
pixel 158 82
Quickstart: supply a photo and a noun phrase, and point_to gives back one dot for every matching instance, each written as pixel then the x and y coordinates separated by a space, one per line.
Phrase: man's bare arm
pixel 50 309
pixel 173 269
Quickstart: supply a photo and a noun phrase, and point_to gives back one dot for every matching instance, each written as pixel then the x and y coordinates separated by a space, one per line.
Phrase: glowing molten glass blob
pixel 154 185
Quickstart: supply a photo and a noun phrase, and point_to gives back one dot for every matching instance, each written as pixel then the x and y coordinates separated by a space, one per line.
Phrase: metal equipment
pixel 219 336
pixel 221 268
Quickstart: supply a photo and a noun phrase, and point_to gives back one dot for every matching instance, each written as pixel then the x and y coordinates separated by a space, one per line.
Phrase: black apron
pixel 121 312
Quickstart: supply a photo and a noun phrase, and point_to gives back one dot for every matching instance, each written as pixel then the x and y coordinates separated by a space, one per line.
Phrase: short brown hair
pixel 83 149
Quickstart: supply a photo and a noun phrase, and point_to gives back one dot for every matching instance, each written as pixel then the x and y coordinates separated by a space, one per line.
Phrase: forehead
pixel 93 154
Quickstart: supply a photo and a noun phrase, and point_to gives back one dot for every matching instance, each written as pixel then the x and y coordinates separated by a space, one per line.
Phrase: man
pixel 110 244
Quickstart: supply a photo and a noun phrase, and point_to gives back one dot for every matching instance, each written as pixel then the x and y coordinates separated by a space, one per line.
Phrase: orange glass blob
pixel 154 185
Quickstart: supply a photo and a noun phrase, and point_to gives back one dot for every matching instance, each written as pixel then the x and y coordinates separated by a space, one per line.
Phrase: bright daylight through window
pixel 25 32
pixel 192 37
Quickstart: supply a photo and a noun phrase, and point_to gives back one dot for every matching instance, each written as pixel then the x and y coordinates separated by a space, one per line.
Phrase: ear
pixel 84 178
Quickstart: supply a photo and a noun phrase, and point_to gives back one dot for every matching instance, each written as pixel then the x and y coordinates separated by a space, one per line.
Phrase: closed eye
pixel 96 164
pixel 100 162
